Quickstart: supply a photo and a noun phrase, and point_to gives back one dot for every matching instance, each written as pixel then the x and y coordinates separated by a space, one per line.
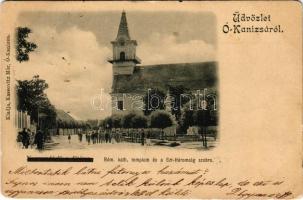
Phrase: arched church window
pixel 122 55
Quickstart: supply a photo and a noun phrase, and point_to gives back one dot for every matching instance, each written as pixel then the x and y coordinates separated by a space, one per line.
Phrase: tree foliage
pixel 153 100
pixel 207 116
pixel 107 123
pixel 187 117
pixel 161 119
pixel 192 114
pixel 23 47
pixel 139 121
pixel 33 99
pixel 117 121
pixel 127 120
pixel 93 123
pixel 180 97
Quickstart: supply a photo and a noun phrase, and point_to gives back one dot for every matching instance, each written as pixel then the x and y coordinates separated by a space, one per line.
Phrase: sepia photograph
pixel 128 79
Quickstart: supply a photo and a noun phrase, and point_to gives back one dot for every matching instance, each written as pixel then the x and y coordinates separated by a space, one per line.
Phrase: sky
pixel 73 49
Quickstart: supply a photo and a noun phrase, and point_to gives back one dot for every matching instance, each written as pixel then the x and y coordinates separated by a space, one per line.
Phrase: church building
pixel 131 81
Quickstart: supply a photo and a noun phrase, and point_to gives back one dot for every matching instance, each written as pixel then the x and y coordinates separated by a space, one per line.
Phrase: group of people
pixel 100 136
pixel 27 138
pixel 109 136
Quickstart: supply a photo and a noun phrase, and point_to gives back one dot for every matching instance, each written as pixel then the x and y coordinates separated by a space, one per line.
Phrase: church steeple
pixel 124 50
pixel 123 29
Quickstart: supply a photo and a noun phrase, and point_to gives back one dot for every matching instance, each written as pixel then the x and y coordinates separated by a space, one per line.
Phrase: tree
pixel 139 121
pixel 33 99
pixel 212 107
pixel 117 121
pixel 205 116
pixel 107 123
pixel 187 117
pixel 23 47
pixel 161 119
pixel 93 123
pixel 127 120
pixel 49 112
pixel 153 100
pixel 129 123
pixel 194 114
pixel 178 99
pixel 202 120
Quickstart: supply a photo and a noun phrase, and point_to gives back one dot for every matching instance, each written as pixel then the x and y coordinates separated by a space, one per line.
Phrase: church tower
pixel 124 50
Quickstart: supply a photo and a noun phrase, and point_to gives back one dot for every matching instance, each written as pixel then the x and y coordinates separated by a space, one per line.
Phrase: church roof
pixel 192 76
pixel 123 28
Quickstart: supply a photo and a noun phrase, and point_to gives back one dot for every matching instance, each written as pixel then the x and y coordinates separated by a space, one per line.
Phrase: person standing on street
pixel 39 140
pixel 88 138
pixel 110 135
pixel 69 137
pixel 31 138
pixel 19 139
pixel 106 136
pixel 80 137
pixel 99 136
pixel 25 138
pixel 102 135
pixel 142 137
pixel 93 137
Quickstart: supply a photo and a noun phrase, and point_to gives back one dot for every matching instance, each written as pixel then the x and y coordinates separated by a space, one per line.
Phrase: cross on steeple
pixel 123 29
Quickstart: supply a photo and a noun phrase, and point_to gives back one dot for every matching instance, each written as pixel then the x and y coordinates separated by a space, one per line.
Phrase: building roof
pixel 63 116
pixel 123 28
pixel 192 76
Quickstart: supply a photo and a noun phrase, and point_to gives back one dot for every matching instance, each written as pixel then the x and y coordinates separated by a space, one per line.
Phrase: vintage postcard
pixel 157 100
